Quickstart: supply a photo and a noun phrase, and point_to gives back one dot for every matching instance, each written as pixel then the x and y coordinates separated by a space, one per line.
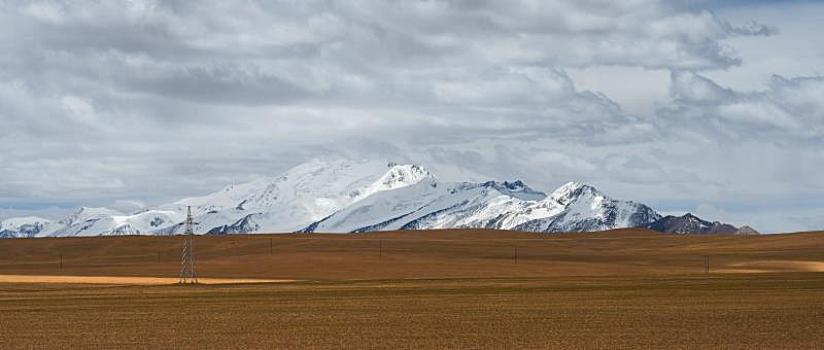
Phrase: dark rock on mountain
pixel 691 224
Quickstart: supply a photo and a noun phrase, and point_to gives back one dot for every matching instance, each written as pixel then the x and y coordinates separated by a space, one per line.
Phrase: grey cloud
pixel 790 110
pixel 152 100
pixel 690 88
pixel 198 50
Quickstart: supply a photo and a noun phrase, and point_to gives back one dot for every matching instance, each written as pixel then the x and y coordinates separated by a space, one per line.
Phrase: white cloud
pixel 128 206
pixel 44 11
pixel 78 109
pixel 758 112
pixel 791 50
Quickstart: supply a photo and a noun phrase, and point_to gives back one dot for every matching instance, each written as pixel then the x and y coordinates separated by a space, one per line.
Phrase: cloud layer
pixel 150 100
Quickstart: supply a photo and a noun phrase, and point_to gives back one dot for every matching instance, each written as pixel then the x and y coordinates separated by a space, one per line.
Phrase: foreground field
pixel 423 290
pixel 432 254
pixel 763 311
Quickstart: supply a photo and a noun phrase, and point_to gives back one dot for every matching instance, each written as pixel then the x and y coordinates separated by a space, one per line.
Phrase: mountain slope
pixel 26 227
pixel 103 221
pixel 691 224
pixel 433 205
pixel 429 204
pixel 577 207
pixel 304 194
pixel 359 196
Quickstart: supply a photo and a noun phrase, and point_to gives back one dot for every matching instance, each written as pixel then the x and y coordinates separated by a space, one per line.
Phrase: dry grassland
pixel 423 290
pixel 431 254
pixel 746 311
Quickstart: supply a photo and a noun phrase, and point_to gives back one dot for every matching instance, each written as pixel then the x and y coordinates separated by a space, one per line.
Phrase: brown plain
pixel 418 289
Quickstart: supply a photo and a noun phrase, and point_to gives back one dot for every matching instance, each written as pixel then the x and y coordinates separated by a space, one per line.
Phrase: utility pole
pixel 706 264
pixel 187 269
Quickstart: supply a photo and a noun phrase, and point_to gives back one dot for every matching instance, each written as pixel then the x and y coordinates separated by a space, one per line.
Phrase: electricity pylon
pixel 187 261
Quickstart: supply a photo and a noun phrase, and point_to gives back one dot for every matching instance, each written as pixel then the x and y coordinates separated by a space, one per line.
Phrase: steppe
pixel 417 289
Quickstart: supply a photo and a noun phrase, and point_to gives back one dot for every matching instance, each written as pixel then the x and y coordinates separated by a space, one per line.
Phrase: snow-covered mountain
pixel 89 222
pixel 302 195
pixel 577 207
pixel 357 196
pixel 574 207
pixel 314 189
pixel 26 227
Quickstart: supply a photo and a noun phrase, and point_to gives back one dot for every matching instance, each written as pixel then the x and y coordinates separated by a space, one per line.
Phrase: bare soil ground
pixel 427 254
pixel 445 289
pixel 744 311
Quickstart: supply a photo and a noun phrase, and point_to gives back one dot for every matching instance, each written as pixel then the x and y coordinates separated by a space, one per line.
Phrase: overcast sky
pixel 713 107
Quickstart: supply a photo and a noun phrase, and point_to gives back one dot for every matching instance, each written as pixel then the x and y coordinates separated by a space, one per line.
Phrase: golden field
pixel 426 289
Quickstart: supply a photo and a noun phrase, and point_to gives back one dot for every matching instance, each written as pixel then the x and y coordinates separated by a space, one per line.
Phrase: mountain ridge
pixel 345 196
pixel 691 224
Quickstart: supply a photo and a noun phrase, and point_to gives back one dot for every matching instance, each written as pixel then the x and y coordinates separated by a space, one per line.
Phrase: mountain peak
pixel 515 188
pixel 572 190
pixel 398 176
pixel 404 175
pixel 746 230
pixel 690 224
pixel 690 216
pixel 574 186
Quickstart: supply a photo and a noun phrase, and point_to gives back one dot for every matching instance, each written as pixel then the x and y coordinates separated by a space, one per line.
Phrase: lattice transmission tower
pixel 187 261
